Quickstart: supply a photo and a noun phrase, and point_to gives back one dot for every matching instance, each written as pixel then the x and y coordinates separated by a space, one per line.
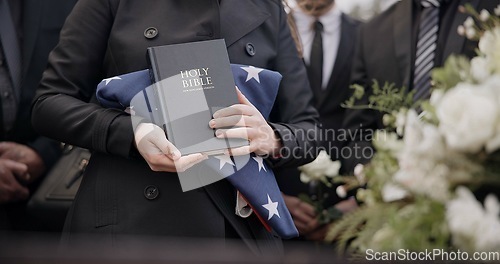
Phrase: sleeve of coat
pixel 61 108
pixel 293 118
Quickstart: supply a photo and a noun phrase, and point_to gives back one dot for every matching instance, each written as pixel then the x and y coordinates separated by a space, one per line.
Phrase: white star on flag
pixel 260 161
pixel 252 73
pixel 110 79
pixel 223 159
pixel 272 207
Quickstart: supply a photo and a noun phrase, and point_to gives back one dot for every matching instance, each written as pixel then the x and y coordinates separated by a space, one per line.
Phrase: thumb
pixel 165 146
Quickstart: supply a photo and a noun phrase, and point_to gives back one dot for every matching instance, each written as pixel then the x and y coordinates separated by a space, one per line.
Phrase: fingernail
pixel 218 133
pixel 211 123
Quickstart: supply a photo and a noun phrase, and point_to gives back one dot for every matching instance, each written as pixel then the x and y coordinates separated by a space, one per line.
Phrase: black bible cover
pixel 192 81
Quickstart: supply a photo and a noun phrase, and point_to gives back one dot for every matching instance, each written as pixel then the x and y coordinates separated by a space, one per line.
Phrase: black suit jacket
pixel 328 102
pixel 383 53
pixel 107 38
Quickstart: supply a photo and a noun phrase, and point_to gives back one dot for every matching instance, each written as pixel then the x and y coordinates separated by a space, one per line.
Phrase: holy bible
pixel 191 82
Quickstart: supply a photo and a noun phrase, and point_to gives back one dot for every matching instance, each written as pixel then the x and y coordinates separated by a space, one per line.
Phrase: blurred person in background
pixel 402 46
pixel 28 32
pixel 325 38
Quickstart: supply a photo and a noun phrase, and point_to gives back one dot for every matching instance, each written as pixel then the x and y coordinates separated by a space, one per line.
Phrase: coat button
pixel 150 32
pixel 250 49
pixel 151 192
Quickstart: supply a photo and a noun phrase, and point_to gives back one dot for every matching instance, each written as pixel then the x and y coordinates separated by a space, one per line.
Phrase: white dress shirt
pixel 331 36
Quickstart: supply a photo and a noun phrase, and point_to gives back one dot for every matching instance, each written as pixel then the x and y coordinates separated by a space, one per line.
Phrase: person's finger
pixel 244 150
pixel 242 98
pixel 230 121
pixel 347 206
pixel 4 146
pixel 237 110
pixel 11 188
pixel 167 147
pixel 237 132
pixel 308 209
pixel 186 162
pixel 19 169
pixel 303 229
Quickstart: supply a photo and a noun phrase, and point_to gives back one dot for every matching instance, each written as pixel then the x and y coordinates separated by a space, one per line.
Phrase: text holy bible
pixel 191 82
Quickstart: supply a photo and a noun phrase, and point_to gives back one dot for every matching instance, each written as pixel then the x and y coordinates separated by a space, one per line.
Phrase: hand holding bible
pixel 161 154
pixel 245 121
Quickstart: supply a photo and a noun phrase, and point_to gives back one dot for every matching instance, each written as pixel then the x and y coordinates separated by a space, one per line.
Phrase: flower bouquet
pixel 433 182
pixel 320 174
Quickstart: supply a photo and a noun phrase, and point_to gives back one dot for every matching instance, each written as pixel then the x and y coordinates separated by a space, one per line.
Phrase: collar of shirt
pixel 331 36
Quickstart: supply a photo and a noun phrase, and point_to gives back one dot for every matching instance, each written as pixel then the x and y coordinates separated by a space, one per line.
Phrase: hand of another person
pixel 12 175
pixel 303 214
pixel 248 123
pixel 161 154
pixel 345 207
pixel 25 155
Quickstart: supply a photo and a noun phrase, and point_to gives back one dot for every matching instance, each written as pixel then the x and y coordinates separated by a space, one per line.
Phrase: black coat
pixel 384 53
pixel 107 38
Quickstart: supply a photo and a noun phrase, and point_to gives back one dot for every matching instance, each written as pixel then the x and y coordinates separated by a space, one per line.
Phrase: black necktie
pixel 316 60
pixel 426 47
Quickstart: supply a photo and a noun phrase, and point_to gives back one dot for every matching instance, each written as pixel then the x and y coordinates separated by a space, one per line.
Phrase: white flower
pixel 484 15
pixel 469 23
pixel 470 33
pixel 391 192
pixel 489 43
pixel 319 169
pixel 461 30
pixel 436 96
pixel 497 10
pixel 341 191
pixel 473 227
pixel 359 173
pixel 493 83
pixel 480 69
pixel 400 122
pixel 467 116
pixel 422 139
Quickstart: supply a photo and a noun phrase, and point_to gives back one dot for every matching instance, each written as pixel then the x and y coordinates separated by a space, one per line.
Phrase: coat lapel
pixel 33 10
pixel 343 56
pixel 235 25
pixel 402 39
pixel 455 43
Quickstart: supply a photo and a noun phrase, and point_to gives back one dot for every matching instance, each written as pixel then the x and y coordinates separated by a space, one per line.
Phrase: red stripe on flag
pixel 264 223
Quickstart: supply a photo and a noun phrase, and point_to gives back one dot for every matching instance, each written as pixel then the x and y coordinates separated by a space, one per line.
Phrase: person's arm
pixel 60 108
pixel 293 118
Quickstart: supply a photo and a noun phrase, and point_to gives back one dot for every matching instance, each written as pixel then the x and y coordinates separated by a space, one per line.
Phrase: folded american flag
pixel 249 173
